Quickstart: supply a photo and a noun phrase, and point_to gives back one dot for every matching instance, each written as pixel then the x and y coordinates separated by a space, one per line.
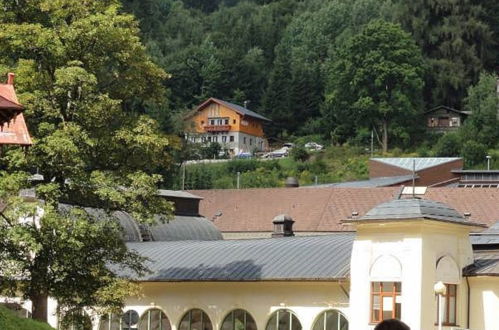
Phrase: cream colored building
pixel 388 268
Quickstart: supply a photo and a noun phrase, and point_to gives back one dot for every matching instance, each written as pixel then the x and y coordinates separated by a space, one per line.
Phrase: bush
pixel 241 165
pixel 474 153
pixel 299 153
pixel 9 321
pixel 449 145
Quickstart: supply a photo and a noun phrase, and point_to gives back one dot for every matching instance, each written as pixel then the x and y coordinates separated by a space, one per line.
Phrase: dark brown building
pixel 444 119
pixel 430 171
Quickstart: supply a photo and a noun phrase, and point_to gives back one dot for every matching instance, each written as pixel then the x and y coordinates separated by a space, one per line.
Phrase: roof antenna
pixel 413 178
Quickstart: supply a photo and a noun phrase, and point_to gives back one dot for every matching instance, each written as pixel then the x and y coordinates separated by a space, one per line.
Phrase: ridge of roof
pixel 239 109
pixel 422 163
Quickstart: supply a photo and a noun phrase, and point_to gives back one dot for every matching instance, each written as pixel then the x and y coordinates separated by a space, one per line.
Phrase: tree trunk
pixel 39 302
pixel 385 136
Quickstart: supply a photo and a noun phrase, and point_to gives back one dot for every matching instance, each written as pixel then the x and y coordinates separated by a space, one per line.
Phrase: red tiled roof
pixel 9 105
pixel 13 128
pixel 15 132
pixel 322 209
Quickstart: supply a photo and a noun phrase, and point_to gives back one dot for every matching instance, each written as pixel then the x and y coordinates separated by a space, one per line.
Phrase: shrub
pixel 449 145
pixel 241 165
pixel 299 153
pixel 474 153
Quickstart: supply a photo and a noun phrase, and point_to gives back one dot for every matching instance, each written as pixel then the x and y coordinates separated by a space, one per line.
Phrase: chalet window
pixel 212 122
pixel 251 141
pixel 234 121
pixel 202 122
pixel 449 305
pixel 224 138
pixel 385 301
pixel 454 122
pixel 244 140
pixel 215 139
pixel 226 122
pixel 231 138
pixel 209 138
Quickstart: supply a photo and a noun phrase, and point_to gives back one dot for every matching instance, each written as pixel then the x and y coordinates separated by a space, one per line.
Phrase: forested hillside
pixel 311 65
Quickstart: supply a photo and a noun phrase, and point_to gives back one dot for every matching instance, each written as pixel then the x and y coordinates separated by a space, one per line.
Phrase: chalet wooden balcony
pixel 217 128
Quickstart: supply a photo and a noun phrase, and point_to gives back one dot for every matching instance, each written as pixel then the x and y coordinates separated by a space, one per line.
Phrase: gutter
pixel 468 298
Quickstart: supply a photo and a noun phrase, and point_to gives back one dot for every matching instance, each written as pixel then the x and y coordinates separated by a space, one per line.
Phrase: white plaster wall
pixel 417 245
pixel 484 303
pixel 306 299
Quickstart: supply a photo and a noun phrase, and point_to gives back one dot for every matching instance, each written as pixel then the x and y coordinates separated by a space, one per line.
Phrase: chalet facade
pixel 444 119
pixel 236 128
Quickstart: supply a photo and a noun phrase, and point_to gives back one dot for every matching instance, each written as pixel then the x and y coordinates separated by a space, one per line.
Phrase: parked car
pixel 313 146
pixel 243 155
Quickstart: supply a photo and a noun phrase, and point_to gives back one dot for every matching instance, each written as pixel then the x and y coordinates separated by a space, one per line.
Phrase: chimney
pixel 10 78
pixel 283 226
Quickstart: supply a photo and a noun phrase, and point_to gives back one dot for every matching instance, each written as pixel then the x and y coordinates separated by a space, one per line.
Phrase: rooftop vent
pixel 283 226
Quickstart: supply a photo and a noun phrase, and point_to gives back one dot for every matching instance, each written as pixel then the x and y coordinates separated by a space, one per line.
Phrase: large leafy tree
pixel 86 82
pixel 456 41
pixel 376 82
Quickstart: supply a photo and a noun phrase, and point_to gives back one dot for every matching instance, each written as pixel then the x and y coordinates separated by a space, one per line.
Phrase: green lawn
pixel 9 321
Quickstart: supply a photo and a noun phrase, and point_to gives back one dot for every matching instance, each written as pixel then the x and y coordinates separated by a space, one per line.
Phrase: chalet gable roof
pixel 465 113
pixel 237 108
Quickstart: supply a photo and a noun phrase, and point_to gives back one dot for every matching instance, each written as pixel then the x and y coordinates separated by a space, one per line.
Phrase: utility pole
pixel 372 143
pixel 183 175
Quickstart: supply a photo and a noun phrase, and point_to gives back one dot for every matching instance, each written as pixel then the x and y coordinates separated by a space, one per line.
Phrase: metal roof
pixel 415 208
pixel 371 183
pixel 177 194
pixel 240 109
pixel 290 258
pixel 421 162
pixel 180 228
pixel 486 264
pixel 488 237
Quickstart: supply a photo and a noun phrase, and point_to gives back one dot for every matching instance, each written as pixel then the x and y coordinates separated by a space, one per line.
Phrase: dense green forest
pixel 333 68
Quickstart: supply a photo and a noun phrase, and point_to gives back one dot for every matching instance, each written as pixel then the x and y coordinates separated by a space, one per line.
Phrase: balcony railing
pixel 217 128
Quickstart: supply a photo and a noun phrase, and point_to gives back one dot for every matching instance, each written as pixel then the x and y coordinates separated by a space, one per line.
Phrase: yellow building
pixel 387 269
pixel 236 128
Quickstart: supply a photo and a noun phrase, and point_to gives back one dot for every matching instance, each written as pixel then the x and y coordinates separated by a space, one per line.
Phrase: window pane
pixel 319 323
pixel 452 310
pixel 376 308
pixel 283 320
pixel 398 310
pixel 387 286
pixel 296 325
pixel 271 325
pixel 196 316
pixel 343 323
pixel 227 323
pixel 376 286
pixel 387 307
pixel 332 320
pixel 184 324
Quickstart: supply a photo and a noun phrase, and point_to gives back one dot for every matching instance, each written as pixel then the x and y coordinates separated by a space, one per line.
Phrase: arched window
pixel 331 320
pixel 238 319
pixel 110 322
pixel 283 319
pixel 195 319
pixel 154 319
pixel 127 321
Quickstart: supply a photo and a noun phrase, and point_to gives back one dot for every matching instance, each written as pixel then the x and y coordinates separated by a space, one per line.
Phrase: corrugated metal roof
pixel 413 209
pixel 15 132
pixel 421 162
pixel 240 109
pixel 180 228
pixel 291 258
pixel 371 183
pixel 177 194
pixel 486 264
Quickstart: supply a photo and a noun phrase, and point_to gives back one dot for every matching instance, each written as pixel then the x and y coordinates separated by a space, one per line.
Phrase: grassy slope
pixel 9 321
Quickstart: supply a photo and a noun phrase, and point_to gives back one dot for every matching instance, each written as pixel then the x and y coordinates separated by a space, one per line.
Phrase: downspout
pixel 468 304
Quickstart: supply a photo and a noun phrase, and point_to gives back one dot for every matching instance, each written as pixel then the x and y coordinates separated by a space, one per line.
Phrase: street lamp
pixel 488 162
pixel 440 289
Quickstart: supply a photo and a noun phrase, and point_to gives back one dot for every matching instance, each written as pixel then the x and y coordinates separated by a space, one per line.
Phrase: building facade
pixel 235 128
